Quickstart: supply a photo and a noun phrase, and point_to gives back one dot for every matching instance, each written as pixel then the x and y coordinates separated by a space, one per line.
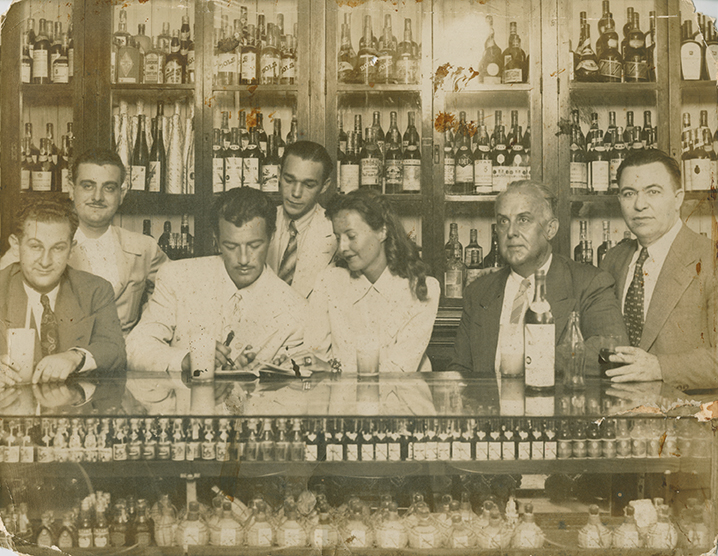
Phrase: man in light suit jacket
pixel 526 224
pixel 669 302
pixel 233 296
pixel 128 260
pixel 304 243
pixel 73 312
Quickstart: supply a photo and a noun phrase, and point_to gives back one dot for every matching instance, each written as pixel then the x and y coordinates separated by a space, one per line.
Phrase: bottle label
pixel 524 450
pixel 461 451
pixel 367 67
pixel 310 452
pixel 712 61
pixel 269 69
pixel 40 67
pixel 349 178
pixel 270 178
pixel 173 73
pixel 691 61
pixel 390 538
pixel 611 69
pixel 60 73
pixel 539 348
pixel 190 66
pixel 24 180
pixel 381 451
pixel 25 72
pixel 425 540
pixel 367 452
pixel 494 450
pixel 588 65
pixel 153 71
pixel 65 180
pixel 249 66
pixel 41 181
pixel 537 449
pixel 449 171
pixel 600 175
pixel 137 177
pixel 613 170
pixel 321 537
pixel 288 71
pixel 334 452
pixel 443 450
pixel 702 174
pixel 250 172
pixel 142 538
pixel 407 70
pixel 352 452
pixel 370 172
pixel 228 537
pixel 636 70
pixel 394 172
pixel 179 451
pixel 453 284
pixel 418 451
pixel 386 67
pixel 127 67
pixel 155 175
pixel 233 171
pixel 499 180
pixel 209 450
pixel 27 454
pixel 492 69
pixel 101 537
pixel 222 451
pixel 12 454
pixel 190 535
pixel 464 170
pixel 483 176
pixel 134 450
pixel 149 450
pixel 412 175
pixel 579 175
pixel 227 67
pixel 431 451
pixel 117 538
pixel 513 75
pixel 460 541
pixel 393 451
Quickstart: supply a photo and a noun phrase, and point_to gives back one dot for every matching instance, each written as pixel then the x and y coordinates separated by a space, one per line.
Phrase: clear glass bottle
pixel 227 531
pixel 627 535
pixel 594 534
pixel 260 531
pixel 662 534
pixel 571 355
pixel 356 532
pixel 527 534
pixel 461 535
pixel 165 521
pixel 425 534
pixel 192 531
pixel 495 534
pixel 392 533
pixel 324 534
pixel 290 532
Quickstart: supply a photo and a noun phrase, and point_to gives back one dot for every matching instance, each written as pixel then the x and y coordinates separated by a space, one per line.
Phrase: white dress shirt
pixel 513 283
pixel 346 311
pixel 101 255
pixel 35 308
pixel 657 254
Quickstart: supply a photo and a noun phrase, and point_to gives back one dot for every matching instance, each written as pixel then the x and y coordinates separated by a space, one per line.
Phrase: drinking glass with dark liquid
pixel 608 347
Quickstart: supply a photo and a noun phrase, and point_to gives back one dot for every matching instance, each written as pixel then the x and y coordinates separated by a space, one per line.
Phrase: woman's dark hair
pixel 402 255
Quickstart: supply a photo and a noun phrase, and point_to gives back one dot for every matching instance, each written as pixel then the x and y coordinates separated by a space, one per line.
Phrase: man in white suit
pixel 233 296
pixel 304 243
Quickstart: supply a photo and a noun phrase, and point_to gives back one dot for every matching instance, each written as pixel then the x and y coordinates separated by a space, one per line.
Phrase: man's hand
pixel 9 376
pixel 641 366
pixel 57 367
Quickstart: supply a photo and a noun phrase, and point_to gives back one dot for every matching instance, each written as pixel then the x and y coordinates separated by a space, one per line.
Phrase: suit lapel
pixel 16 302
pixel 677 273
pixel 74 328
pixel 624 259
pixel 558 287
pixel 490 318
pixel 273 255
pixel 124 263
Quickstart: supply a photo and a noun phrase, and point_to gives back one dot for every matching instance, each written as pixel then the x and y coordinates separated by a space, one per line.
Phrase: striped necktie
pixel 517 311
pixel 49 332
pixel 633 306
pixel 289 259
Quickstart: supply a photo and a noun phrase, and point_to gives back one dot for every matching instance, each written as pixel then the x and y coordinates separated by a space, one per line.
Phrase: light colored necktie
pixel 289 259
pixel 633 306
pixel 517 310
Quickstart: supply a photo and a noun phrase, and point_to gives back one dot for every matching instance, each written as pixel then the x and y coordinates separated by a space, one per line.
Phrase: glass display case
pixel 404 461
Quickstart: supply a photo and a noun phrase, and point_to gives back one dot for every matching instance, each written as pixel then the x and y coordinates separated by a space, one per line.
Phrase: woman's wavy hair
pixel 402 254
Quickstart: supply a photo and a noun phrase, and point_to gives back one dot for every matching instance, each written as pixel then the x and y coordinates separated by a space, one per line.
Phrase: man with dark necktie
pixel 304 243
pixel 666 280
pixel 73 312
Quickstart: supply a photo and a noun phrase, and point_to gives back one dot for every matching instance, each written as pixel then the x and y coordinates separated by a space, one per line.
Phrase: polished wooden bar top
pixel 326 394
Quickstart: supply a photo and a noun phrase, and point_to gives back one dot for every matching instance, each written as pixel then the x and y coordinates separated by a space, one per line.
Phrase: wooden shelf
pixel 705 86
pixel 470 198
pixel 54 93
pixel 145 87
pixel 601 88
pixel 142 202
pixel 595 198
pixel 492 88
pixel 377 88
pixel 621 94
pixel 250 90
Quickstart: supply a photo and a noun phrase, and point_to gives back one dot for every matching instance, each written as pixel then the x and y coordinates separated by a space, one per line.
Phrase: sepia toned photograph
pixel 358 277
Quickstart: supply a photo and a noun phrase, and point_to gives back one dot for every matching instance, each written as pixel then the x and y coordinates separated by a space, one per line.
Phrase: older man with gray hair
pixel 526 224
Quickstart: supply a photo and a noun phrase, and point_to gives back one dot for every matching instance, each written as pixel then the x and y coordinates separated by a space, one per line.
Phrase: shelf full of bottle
pixel 699 48
pixel 596 156
pixel 162 59
pixel 632 60
pixel 659 444
pixel 48 55
pixel 699 160
pixel 244 154
pixel 159 152
pixel 383 60
pixel 249 54
pixel 476 164
pixel 46 168
pixel 388 162
pixel 310 515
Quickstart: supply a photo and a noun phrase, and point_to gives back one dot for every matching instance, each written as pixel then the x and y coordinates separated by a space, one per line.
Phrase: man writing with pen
pixel 254 316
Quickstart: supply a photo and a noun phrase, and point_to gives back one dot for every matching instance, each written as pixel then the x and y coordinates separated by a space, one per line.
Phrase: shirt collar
pixel 518 278
pixel 81 238
pixel 301 223
pixel 33 296
pixel 658 251
pixel 389 285
pixel 229 288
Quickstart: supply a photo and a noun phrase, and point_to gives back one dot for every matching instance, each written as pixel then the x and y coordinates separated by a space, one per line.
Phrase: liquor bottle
pixel 26 61
pixel 393 159
pixel 350 441
pixel 407 57
pixel 67 534
pixel 41 176
pixel 26 165
pixel 370 163
pixel 627 29
pixel 279 143
pixel 41 56
pixel 324 534
pixel 594 534
pixel 474 268
pixel 270 59
pixel 449 163
pixel 62 169
pixel 473 247
pixel 165 38
pixel 587 65
pixel 599 166
pixel 453 240
pixel 635 60
pixel 651 47
pixel 55 39
pixel 494 258
pixel 154 64
pixel 367 62
pixel 703 164
pixel 528 534
pixel 233 161
pixel 578 165
pixel 687 154
pixel 346 64
pixel 350 167
pixel 411 163
pixel 270 167
pixel 140 159
pixel 288 61
pixel 156 179
pixel 192 531
pixel 647 137
pixel 128 63
pixel 267 441
pixel 142 526
pixel 293 135
pixel 252 160
pixel 188 155
pixel 483 164
pixel 359 138
pixel 297 444
pixel 175 62
pixel 119 525
pixel 60 64
pixel 454 275
pixel 607 243
pixel 691 54
pixel 379 137
pixel 514 58
pixel 491 67
pixel 515 162
pixel 388 46
pixel 225 54
pixel 627 535
pixel 583 240
pixel 464 163
pixel 392 532
pixel 539 338
pixel 281 445
pixel 261 134
pixel 248 75
pixel 187 50
pixel 218 162
pixel 499 157
pixel 610 61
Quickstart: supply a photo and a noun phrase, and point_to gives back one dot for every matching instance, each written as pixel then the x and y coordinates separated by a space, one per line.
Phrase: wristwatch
pixel 83 356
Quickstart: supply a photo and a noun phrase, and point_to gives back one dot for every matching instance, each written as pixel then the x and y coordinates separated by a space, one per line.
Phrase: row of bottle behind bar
pixel 46 168
pixel 48 56
pixel 347 439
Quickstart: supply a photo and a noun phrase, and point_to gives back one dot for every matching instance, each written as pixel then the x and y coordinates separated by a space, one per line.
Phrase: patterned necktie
pixel 517 310
pixel 633 306
pixel 289 259
pixel 49 334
